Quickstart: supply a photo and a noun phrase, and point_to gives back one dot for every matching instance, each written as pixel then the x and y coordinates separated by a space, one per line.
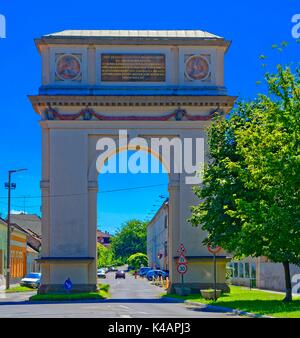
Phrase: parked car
pixel 32 280
pixel 101 273
pixel 143 271
pixel 111 269
pixel 156 274
pixel 120 274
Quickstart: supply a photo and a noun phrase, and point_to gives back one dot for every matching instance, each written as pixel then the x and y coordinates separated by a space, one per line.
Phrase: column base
pixel 58 288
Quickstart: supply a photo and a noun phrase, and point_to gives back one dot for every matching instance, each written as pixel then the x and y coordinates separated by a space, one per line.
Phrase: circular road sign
pixel 182 269
pixel 214 249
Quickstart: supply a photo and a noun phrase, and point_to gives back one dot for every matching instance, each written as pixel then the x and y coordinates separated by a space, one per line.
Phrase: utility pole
pixel 9 186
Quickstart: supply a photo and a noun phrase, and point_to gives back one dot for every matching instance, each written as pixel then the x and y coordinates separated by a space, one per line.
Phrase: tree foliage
pixel 130 239
pixel 251 187
pixel 104 256
pixel 137 260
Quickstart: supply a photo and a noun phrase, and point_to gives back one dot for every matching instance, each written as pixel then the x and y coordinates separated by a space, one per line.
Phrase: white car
pixel 101 273
pixel 32 280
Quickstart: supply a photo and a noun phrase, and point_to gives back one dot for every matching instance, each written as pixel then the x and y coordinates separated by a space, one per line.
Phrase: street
pixel 130 298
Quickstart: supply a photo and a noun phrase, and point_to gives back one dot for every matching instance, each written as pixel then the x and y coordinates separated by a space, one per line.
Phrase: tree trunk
pixel 288 283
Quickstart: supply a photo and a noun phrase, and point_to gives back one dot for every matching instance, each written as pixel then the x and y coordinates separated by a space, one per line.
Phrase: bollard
pixel 167 283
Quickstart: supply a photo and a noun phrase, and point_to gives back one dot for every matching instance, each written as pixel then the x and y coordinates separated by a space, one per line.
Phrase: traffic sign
pixel 182 260
pixel 214 249
pixel 182 269
pixel 182 249
pixel 68 285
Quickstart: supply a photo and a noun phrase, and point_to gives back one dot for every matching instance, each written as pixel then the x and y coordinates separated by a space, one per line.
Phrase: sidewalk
pixel 3 286
pixel 277 292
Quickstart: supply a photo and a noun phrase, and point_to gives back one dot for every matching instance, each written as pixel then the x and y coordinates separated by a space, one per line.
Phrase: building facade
pixel 157 239
pixel 18 255
pixel 32 264
pixel 31 226
pixel 3 251
pixel 24 252
pixel 152 84
pixel 260 273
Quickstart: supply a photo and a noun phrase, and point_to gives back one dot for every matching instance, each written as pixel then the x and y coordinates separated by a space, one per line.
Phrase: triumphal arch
pixel 138 84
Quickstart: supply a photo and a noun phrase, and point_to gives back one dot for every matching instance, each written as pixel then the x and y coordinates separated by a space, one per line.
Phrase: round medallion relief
pixel 197 68
pixel 68 67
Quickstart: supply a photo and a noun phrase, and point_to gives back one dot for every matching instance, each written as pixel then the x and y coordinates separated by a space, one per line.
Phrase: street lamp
pixel 9 186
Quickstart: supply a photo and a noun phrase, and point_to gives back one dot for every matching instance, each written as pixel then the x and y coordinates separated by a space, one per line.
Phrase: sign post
pixel 215 250
pixel 182 263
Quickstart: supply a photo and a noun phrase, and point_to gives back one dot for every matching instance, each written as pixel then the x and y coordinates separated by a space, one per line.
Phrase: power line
pixel 81 194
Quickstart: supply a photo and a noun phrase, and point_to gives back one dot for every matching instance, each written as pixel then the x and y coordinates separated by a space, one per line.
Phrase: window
pixel 247 270
pixel 166 222
pixel 235 270
pixel 241 270
pixel 253 270
pixel 166 248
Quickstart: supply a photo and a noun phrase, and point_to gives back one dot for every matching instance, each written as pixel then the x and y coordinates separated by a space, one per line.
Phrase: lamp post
pixel 9 186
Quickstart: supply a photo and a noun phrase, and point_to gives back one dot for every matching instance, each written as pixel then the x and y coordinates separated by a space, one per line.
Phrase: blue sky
pixel 253 26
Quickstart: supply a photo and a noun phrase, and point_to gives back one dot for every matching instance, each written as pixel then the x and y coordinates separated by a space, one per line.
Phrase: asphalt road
pixel 130 298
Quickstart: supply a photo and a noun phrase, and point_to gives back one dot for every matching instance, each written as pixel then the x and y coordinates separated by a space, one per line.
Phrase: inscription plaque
pixel 133 68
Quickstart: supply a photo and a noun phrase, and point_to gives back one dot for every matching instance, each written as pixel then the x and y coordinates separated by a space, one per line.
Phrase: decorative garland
pixel 88 114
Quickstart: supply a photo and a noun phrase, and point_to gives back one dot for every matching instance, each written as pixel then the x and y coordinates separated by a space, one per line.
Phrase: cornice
pixel 224 102
pixel 150 41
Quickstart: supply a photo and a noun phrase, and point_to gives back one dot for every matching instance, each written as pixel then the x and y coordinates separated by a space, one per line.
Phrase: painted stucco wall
pixel 271 276
pixel 3 250
pixel 157 236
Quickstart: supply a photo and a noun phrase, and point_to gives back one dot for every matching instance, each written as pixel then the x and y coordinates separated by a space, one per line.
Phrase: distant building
pixel 33 247
pixel 25 246
pixel 31 256
pixel 18 254
pixel 157 238
pixel 3 250
pixel 104 238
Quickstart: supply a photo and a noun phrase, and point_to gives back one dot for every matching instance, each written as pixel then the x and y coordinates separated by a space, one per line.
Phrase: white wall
pixel 271 276
pixel 157 235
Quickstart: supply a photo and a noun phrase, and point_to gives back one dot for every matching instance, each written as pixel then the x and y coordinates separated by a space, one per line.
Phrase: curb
pixel 217 308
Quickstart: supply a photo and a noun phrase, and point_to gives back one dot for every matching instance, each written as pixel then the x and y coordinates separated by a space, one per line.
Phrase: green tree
pixel 251 187
pixel 130 239
pixel 137 260
pixel 104 256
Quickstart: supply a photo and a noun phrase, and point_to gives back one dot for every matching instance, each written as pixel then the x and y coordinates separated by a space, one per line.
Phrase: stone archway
pixel 77 112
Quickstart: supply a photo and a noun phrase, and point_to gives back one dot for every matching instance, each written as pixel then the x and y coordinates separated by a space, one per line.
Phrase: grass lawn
pixel 19 289
pixel 254 301
pixel 103 293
